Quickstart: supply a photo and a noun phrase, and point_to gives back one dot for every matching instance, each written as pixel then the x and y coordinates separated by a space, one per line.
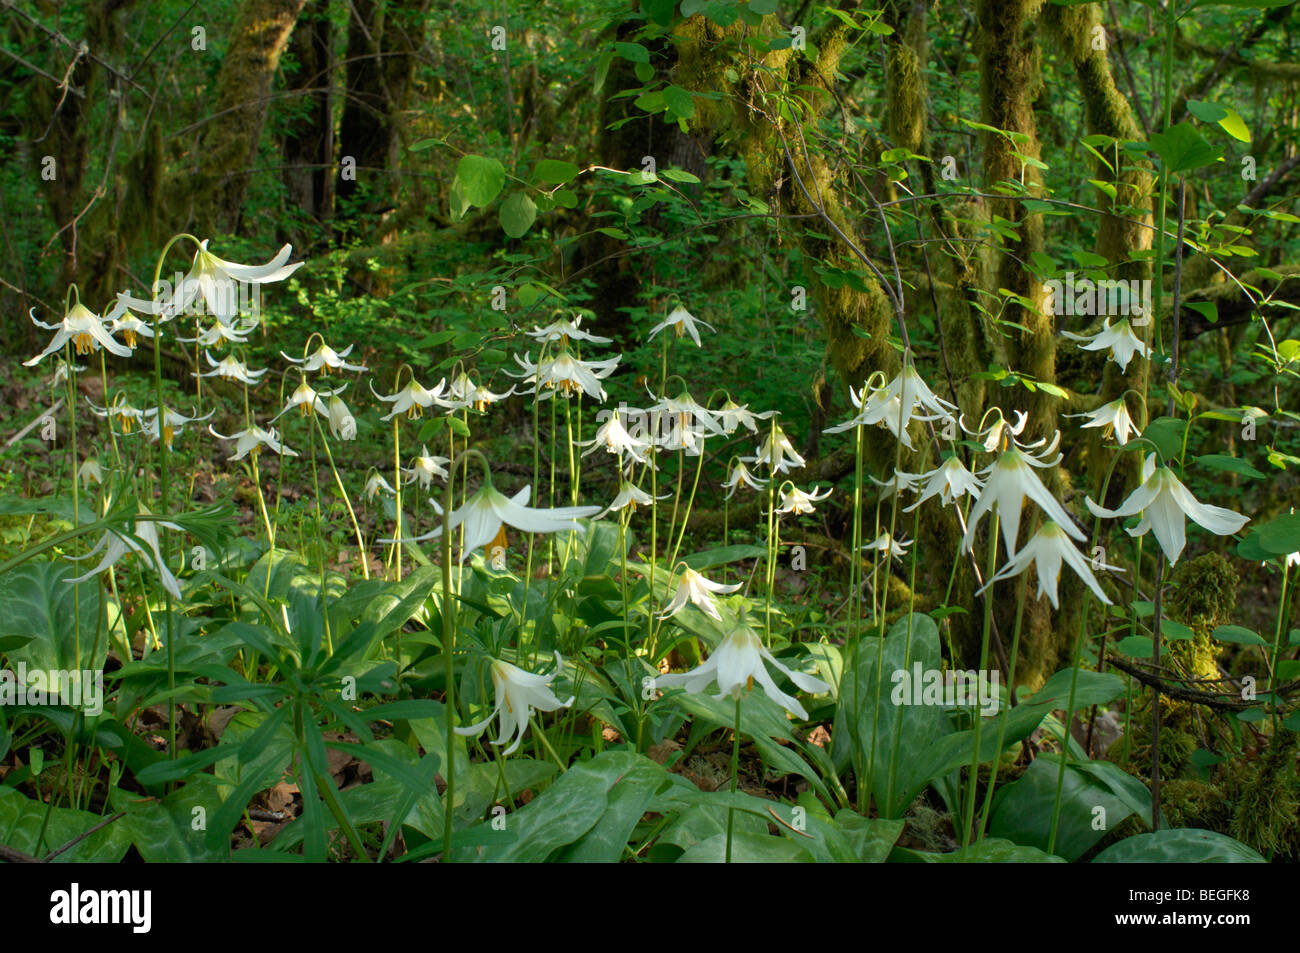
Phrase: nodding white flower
pixel 326 359
pixel 376 484
pixel 1118 338
pixel 795 500
pixel 991 437
pixel 950 481
pixel 682 412
pixel 342 424
pixel 1046 550
pixel 1007 481
pixel 413 398
pixel 231 369
pixel 683 322
pixel 84 329
pixel 685 439
pixel 736 664
pixel 425 468
pixel 884 543
pixel 130 327
pixel 61 371
pixel 738 474
pixel 217 279
pixel 484 513
pixel 306 398
pixel 173 423
pixel 776 452
pixel 693 587
pixel 517 693
pixel 733 416
pixel 565 374
pixel 252 439
pixel 121 411
pixel 630 497
pixel 896 405
pixel 1164 503
pixel 142 540
pixel 215 335
pixel 466 393
pixel 902 482
pixel 1114 417
pixel 613 436
pixel 89 472
pixel 565 331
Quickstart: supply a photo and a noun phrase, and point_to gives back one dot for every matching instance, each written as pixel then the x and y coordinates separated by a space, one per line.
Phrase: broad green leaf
pixel 1183 149
pixel 518 212
pixel 481 179
pixel 1181 845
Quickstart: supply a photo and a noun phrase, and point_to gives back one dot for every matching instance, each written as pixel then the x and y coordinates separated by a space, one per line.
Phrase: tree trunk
pixel 228 145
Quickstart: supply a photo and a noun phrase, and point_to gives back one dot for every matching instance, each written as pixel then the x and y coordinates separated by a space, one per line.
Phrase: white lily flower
pixel 413 398
pixel 776 452
pixel 1118 338
pixel 466 393
pixel 739 474
pixel 733 416
pixel 1046 550
pixel 342 424
pixel 1114 417
pixel 795 500
pixel 566 374
pixel 306 398
pixel 682 412
pixel 629 497
pixel 1164 503
pixel 484 513
pixel 683 322
pixel 896 405
pixel 693 587
pixel 252 439
pixel 231 369
pixel 565 331
pixel 613 436
pixel 326 359
pixel 902 482
pixel 116 545
pixel 1007 481
pixel 991 437
pixel 121 411
pixel 950 481
pixel 130 327
pixel 377 484
pixel 736 664
pixel 61 371
pixel 90 472
pixel 884 543
pixel 517 693
pixel 425 468
pixel 217 280
pixel 84 329
pixel 220 333
pixel 173 423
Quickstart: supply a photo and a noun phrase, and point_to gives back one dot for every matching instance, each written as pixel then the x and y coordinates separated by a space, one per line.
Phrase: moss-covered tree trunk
pixel 214 195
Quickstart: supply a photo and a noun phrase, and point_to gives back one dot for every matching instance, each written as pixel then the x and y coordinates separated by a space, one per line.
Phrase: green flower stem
pixel 1021 597
pixel 735 776
pixel 968 815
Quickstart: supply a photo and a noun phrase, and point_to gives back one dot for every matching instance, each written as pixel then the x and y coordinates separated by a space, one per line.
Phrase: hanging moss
pixel 1267 799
